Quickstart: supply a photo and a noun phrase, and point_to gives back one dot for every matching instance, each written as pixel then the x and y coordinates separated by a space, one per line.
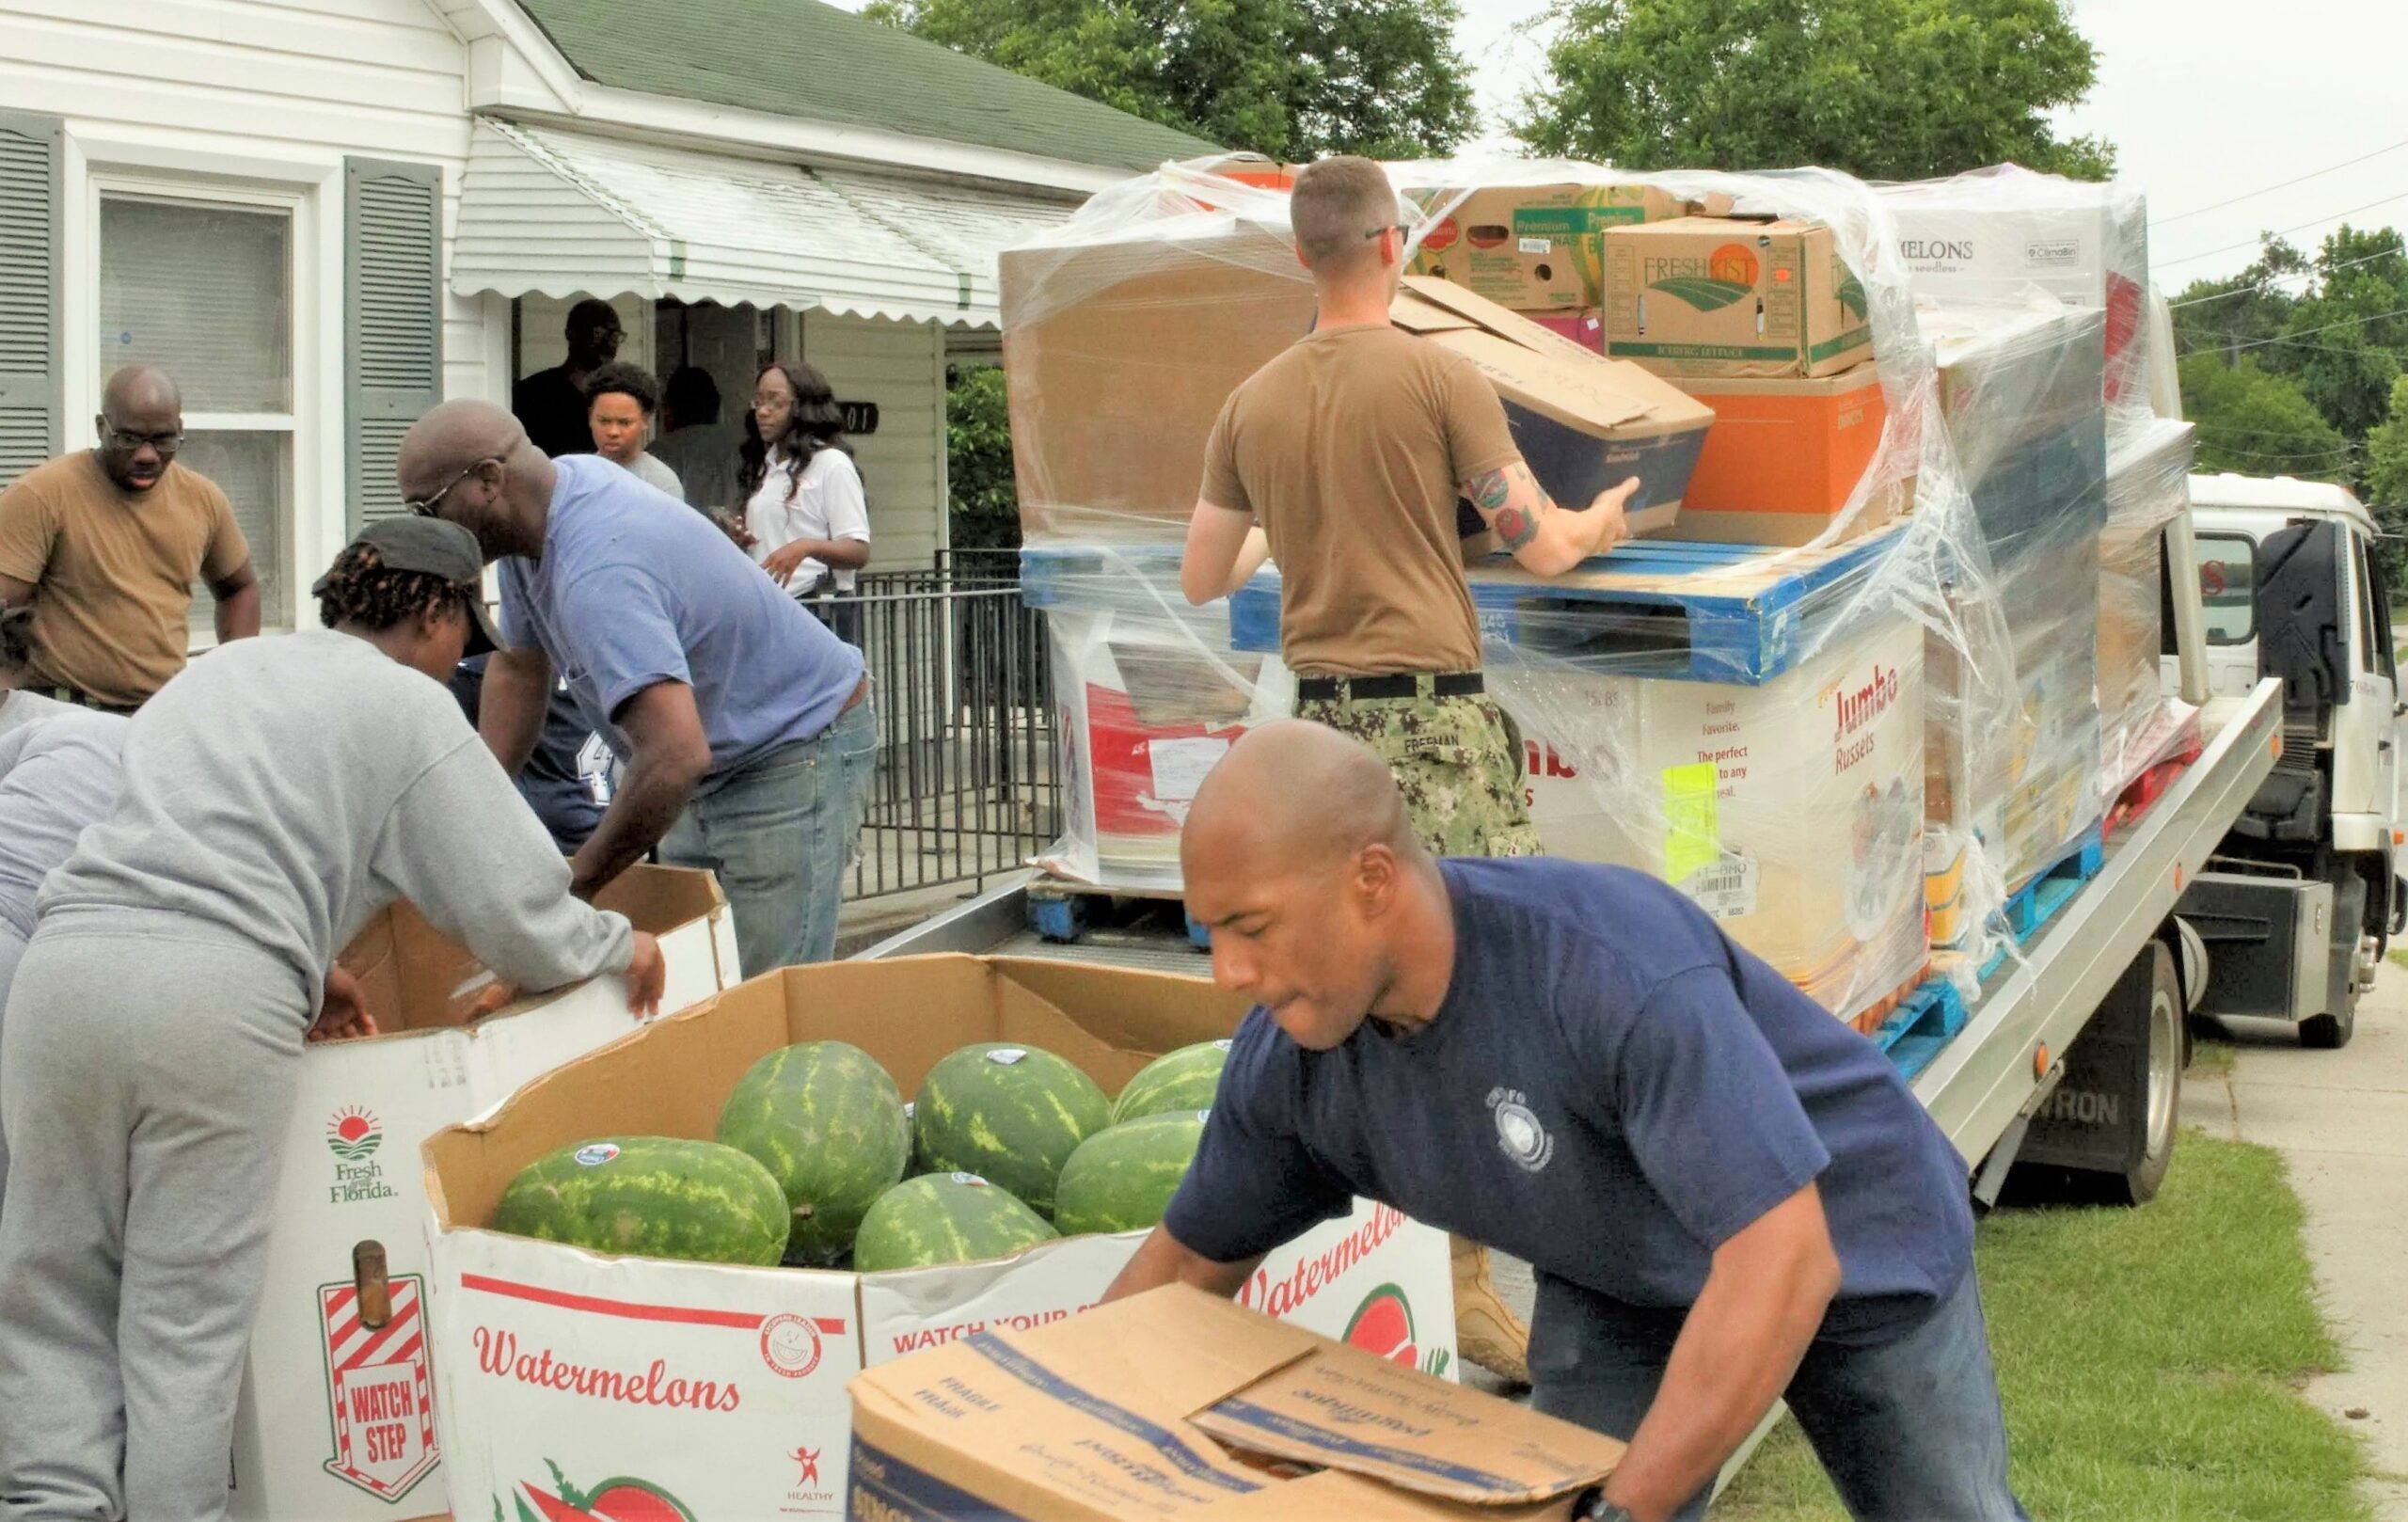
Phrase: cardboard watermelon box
pixel 722 1389
pixel 336 1419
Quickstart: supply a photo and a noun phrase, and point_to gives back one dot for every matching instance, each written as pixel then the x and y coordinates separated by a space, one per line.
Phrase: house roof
pixel 802 58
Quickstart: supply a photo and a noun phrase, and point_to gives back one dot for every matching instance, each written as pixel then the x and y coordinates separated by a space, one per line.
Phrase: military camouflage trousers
pixel 1457 759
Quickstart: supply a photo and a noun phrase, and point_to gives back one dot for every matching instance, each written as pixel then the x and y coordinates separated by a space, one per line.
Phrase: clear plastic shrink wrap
pixel 1755 726
pixel 2148 488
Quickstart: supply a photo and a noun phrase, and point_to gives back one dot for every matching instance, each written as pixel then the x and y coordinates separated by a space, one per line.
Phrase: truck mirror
pixel 2304 619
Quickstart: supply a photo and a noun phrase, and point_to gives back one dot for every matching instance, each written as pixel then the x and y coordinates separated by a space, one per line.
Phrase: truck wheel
pixel 2161 1088
pixel 2106 1133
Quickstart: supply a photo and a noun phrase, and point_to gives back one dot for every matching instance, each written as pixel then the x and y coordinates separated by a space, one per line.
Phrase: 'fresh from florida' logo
pixel 353 1133
pixel 1708 283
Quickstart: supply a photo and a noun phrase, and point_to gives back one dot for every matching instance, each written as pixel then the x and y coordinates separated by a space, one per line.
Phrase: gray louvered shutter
pixel 31 176
pixel 393 319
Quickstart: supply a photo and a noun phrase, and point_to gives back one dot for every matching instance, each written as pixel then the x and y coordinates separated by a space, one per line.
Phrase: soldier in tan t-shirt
pixel 106 544
pixel 1342 460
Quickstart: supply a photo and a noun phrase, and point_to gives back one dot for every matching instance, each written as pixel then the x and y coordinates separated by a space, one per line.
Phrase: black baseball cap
pixel 433 547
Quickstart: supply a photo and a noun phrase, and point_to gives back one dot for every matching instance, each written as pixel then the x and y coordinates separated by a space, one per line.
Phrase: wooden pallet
pixel 1062 911
pixel 1662 607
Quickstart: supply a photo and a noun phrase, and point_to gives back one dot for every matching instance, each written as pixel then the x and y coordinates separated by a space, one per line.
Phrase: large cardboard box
pixel 724 1387
pixel 1583 423
pixel 1174 1405
pixel 1783 457
pixel 1791 812
pixel 1734 297
pixel 335 1421
pixel 1536 247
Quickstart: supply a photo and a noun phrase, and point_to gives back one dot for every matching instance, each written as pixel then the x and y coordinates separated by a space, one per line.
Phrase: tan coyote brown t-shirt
pixel 1348 449
pixel 112 571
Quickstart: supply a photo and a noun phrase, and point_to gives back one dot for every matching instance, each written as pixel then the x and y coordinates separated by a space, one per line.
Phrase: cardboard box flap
pixel 1458 307
pixel 1343 1408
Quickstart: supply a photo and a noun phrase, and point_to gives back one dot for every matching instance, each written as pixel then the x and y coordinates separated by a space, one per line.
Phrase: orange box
pixel 1782 456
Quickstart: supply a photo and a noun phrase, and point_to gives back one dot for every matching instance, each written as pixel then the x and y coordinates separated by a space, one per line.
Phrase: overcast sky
pixel 2204 100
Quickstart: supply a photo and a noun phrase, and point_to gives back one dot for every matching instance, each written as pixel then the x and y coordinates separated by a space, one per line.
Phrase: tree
pixel 985 500
pixel 1885 89
pixel 1291 79
pixel 2258 424
pixel 2244 312
pixel 2344 341
pixel 2387 483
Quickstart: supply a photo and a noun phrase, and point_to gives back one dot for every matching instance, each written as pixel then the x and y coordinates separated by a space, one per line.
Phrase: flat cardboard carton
pixel 1784 456
pixel 724 1387
pixel 1583 423
pixel 334 1422
pixel 1536 247
pixel 1734 297
pixel 1175 1404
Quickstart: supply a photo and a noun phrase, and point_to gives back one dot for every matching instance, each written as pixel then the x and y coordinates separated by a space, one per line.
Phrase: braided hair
pixel 16 639
pixel 817 423
pixel 357 589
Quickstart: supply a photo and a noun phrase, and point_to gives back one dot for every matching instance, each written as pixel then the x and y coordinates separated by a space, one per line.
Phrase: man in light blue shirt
pixel 743 726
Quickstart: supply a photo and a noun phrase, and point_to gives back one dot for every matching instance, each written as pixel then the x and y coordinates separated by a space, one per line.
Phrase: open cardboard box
pixel 335 1421
pixel 1174 1404
pixel 1584 422
pixel 724 1387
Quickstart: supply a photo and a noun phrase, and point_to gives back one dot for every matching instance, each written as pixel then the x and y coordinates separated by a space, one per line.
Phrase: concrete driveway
pixel 2340 1119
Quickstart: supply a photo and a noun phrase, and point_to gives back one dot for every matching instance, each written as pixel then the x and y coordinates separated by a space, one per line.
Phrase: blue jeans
pixel 779 835
pixel 1908 1429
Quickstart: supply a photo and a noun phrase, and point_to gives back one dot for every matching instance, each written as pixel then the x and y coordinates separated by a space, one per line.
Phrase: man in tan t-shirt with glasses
pixel 1342 460
pixel 106 544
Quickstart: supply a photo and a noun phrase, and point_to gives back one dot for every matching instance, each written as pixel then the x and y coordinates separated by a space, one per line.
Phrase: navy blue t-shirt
pixel 1611 1089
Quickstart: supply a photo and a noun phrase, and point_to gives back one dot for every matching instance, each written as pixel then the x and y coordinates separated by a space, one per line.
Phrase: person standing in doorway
pixel 552 403
pixel 620 401
pixel 1342 459
pixel 695 444
pixel 272 800
pixel 744 727
pixel 803 500
pixel 105 545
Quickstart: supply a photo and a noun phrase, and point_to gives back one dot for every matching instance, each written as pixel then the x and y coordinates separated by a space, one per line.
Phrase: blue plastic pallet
pixel 1700 613
pixel 1925 1021
pixel 2050 890
pixel 1062 918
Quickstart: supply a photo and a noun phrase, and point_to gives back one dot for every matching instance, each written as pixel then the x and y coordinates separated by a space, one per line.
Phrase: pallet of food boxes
pixel 659 1265
pixel 336 1418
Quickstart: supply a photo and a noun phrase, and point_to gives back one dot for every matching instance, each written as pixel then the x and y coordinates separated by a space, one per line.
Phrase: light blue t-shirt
pixel 634 588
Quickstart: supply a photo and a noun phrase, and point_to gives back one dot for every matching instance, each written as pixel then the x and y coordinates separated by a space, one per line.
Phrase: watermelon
pixel 1009 1114
pixel 944 1218
pixel 1181 1080
pixel 828 1123
pixel 1121 1179
pixel 655 1197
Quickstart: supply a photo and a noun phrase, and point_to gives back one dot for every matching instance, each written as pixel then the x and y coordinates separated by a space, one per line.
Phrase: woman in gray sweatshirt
pixel 275 796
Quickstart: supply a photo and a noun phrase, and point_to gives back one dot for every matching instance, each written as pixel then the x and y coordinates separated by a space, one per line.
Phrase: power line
pixel 2284 184
pixel 2251 242
pixel 2295 274
pixel 2294 338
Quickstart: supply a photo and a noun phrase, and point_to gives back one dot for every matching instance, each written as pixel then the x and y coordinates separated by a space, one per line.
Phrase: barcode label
pixel 1538 245
pixel 1725 890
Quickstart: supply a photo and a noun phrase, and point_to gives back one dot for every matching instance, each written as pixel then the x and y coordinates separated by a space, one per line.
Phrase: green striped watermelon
pixel 1181 1080
pixel 654 1197
pixel 944 1218
pixel 828 1123
pixel 1010 1114
pixel 1121 1179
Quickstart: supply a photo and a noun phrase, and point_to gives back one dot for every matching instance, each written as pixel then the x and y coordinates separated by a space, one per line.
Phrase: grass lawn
pixel 2148 1359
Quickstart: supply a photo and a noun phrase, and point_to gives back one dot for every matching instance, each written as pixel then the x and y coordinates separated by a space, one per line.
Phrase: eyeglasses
pixel 1402 231
pixel 426 507
pixel 126 438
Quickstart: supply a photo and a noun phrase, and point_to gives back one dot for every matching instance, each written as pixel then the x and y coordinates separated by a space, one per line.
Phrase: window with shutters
pixel 202 286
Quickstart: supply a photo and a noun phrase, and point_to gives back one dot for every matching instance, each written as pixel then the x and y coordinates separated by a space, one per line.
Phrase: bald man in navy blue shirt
pixel 1727 1195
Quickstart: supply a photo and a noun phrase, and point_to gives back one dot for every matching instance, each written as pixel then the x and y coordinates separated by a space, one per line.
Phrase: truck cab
pixel 2291 587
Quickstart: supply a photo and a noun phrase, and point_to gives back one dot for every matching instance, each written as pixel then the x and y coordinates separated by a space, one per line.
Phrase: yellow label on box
pixel 1693 838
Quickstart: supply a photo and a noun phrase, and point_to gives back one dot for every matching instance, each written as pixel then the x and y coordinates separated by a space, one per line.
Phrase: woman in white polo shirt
pixel 803 500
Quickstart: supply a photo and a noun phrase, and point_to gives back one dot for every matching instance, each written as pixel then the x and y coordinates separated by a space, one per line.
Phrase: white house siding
pixel 252 93
pixel 900 366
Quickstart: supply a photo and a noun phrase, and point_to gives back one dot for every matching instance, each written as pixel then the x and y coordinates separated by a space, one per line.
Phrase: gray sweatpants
pixel 145 1085
pixel 11 951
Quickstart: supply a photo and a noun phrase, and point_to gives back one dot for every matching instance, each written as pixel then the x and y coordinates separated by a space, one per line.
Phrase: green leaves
pixel 1886 89
pixel 1703 293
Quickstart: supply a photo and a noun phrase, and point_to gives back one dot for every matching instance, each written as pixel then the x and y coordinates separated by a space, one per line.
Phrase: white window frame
pixel 298 204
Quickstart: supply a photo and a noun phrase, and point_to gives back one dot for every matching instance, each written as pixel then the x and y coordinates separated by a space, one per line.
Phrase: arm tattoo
pixel 1490 491
pixel 1517 528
